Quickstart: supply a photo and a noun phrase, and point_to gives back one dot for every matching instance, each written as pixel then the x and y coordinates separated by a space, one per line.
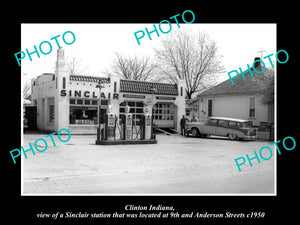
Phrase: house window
pixel 252 107
pixel 209 107
pixel 187 112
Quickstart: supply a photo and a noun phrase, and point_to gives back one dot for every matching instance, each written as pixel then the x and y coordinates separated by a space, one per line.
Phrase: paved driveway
pixel 176 165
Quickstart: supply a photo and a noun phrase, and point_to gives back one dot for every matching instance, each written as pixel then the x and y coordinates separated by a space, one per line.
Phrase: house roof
pixel 144 87
pixel 251 85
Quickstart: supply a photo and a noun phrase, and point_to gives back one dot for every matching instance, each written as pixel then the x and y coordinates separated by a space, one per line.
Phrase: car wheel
pixel 232 136
pixel 195 132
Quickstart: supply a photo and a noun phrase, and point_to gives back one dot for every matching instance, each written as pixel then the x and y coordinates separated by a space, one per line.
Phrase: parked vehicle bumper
pixel 252 137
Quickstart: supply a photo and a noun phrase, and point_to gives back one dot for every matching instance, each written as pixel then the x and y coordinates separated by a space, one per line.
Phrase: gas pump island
pixel 126 129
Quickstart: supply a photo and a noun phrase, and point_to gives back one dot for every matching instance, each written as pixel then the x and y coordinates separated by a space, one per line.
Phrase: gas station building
pixel 72 101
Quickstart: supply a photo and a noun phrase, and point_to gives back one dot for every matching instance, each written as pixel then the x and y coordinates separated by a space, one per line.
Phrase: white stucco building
pixel 71 101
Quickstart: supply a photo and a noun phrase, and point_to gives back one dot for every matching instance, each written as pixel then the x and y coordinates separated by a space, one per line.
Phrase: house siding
pixel 235 107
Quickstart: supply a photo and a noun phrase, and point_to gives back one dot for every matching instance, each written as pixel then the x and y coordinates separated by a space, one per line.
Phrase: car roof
pixel 228 118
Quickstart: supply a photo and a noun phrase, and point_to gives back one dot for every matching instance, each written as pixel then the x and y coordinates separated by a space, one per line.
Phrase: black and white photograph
pixel 137 115
pixel 151 115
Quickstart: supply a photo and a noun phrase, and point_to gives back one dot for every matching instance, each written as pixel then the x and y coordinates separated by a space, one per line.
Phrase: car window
pixel 212 122
pixel 232 123
pixel 223 123
pixel 246 124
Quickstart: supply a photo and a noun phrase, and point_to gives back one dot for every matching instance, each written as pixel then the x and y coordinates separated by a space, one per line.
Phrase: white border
pixel 157 194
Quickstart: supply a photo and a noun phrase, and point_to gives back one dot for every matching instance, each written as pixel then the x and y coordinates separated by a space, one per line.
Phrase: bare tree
pixel 267 85
pixel 74 65
pixel 192 58
pixel 132 67
pixel 27 90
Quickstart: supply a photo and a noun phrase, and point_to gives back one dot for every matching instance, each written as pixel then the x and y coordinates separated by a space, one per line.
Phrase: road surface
pixel 176 165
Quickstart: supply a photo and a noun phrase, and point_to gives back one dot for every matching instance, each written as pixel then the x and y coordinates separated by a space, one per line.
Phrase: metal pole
pixel 153 90
pixel 99 112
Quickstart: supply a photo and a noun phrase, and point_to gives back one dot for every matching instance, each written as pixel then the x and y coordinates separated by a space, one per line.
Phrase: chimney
pixel 257 65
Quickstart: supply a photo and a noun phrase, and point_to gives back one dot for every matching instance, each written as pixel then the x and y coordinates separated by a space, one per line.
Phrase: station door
pixel 31 115
pixel 164 115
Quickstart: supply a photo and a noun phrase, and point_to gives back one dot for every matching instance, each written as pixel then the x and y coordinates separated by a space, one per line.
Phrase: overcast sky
pixel 96 43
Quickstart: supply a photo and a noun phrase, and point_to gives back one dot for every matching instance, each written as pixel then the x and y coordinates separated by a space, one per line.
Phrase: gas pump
pixel 142 127
pixel 118 129
pixel 110 126
pixel 126 126
pixel 146 126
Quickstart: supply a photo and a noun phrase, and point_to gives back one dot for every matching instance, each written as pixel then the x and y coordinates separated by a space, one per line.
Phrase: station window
pixel 163 111
pixel 85 111
pixel 115 86
pixel 83 115
pixel 136 108
pixel 94 102
pixel 64 83
pixel 51 109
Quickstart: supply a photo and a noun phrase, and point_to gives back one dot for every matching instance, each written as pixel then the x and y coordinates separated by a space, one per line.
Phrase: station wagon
pixel 234 129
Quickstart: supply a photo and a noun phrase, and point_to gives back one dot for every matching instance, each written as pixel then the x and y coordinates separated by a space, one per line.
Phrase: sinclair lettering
pixel 88 94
